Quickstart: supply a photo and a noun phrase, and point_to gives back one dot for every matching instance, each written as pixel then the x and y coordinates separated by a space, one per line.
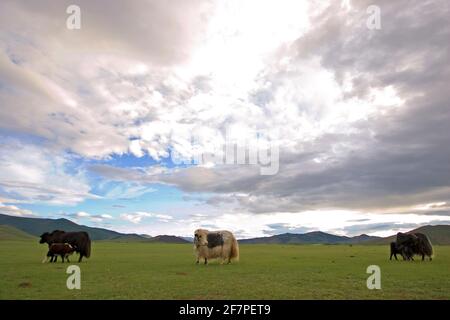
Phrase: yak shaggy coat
pixel 215 245
pixel 418 243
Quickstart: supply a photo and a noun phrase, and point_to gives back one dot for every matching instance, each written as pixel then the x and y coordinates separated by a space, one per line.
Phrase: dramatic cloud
pixel 360 116
pixel 373 140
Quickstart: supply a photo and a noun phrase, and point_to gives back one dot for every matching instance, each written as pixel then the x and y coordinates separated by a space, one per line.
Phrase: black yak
pixel 394 251
pixel 417 243
pixel 405 251
pixel 79 240
pixel 59 249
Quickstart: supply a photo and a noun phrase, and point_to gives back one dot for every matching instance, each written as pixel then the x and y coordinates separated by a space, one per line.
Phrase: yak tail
pixel 425 245
pixel 234 249
pixel 88 248
pixel 429 247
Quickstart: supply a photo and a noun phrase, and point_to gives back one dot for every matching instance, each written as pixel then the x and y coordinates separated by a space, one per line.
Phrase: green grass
pixel 167 271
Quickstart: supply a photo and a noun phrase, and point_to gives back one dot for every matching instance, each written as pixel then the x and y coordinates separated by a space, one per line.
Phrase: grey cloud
pixel 444 213
pixel 358 220
pixel 278 228
pixel 407 51
pixel 162 32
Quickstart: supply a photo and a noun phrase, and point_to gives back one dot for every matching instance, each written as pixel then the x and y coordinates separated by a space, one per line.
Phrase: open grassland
pixel 168 271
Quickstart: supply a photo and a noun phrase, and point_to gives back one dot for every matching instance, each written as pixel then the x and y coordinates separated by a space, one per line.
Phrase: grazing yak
pixel 64 250
pixel 417 243
pixel 215 244
pixel 405 251
pixel 394 251
pixel 79 240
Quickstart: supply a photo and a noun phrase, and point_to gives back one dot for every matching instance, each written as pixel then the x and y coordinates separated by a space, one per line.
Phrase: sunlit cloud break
pixel 259 117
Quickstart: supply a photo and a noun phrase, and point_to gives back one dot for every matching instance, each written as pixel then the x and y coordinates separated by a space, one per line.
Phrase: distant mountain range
pixel 315 237
pixel 439 235
pixel 12 228
pixel 37 226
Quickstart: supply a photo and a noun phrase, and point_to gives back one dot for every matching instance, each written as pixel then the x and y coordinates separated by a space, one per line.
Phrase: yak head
pixel 201 237
pixel 45 238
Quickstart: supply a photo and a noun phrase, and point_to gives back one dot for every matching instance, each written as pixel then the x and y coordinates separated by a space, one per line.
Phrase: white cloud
pixel 82 214
pixel 86 216
pixel 136 217
pixel 126 190
pixel 30 173
pixel 12 210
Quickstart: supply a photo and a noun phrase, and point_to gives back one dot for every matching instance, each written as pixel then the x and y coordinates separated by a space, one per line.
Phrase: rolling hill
pixel 139 238
pixel 20 227
pixel 37 226
pixel 168 239
pixel 439 235
pixel 11 233
pixel 128 238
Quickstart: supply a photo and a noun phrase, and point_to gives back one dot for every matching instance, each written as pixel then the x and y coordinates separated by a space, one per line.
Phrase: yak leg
pixel 67 258
pixel 423 257
pixel 206 260
pixel 62 257
pixel 81 257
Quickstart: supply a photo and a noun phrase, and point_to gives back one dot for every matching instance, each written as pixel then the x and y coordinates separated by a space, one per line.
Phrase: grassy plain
pixel 168 271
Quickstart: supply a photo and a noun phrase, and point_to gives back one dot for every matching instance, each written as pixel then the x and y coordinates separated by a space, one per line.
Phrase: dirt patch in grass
pixel 25 285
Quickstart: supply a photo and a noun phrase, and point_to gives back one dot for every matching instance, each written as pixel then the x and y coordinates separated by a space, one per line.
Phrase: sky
pixel 124 122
